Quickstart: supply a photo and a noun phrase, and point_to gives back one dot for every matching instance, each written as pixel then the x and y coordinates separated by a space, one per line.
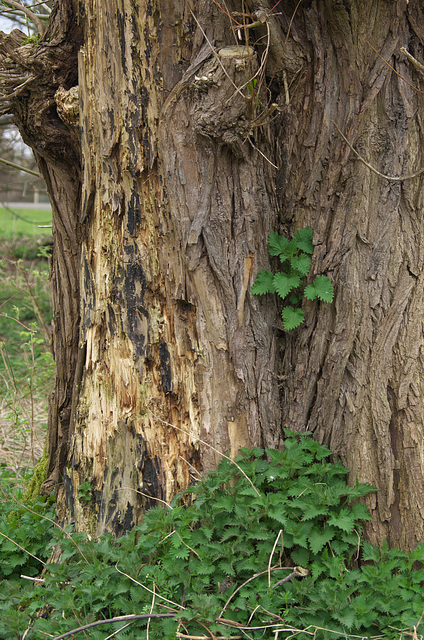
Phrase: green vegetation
pixel 26 364
pixel 291 280
pixel 21 223
pixel 85 492
pixel 269 547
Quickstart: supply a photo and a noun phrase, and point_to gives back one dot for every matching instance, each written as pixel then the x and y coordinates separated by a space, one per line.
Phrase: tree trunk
pixel 195 145
pixel 354 374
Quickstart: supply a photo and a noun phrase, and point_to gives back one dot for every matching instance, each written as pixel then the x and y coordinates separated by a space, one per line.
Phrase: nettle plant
pixel 290 282
pixel 269 547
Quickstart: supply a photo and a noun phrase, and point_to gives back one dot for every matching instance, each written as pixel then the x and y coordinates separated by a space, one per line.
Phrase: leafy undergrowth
pixel 270 547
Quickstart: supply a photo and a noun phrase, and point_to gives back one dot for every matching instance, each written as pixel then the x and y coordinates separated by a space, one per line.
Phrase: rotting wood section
pixel 169 334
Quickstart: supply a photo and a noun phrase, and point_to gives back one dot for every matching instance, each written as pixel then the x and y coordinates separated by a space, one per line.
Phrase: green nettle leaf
pixel 301 264
pixel 296 265
pixel 292 318
pixel 304 239
pixel 321 288
pixel 344 520
pixel 370 552
pixel 314 510
pixel 319 538
pixel 285 282
pixel 264 283
pixel 346 617
pixel 360 511
pixel 277 244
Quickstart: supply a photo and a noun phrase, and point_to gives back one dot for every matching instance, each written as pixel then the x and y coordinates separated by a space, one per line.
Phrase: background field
pixel 19 222
pixel 26 365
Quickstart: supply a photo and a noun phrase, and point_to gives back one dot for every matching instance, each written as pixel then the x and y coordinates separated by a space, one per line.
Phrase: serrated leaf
pixel 227 568
pixel 292 318
pixel 182 552
pixel 276 513
pixel 346 617
pixel 303 239
pixel 314 510
pixel 344 520
pixel 300 557
pixel 310 292
pixel 285 282
pixel 360 511
pixel 370 552
pixel 324 288
pixel 321 288
pixel 264 283
pixel 301 264
pixel 231 532
pixel 319 539
pixel 277 244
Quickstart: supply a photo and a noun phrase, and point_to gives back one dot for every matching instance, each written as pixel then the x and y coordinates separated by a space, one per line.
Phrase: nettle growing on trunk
pixel 173 138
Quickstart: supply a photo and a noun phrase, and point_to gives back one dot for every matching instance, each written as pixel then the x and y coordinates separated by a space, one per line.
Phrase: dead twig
pixel 131 617
pixel 373 169
pixel 270 557
pixel 175 604
pixel 22 548
pixel 411 58
pixel 257 575
pixel 390 67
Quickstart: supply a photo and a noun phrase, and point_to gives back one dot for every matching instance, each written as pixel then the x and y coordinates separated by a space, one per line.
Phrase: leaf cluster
pixel 24 527
pixel 221 552
pixel 289 283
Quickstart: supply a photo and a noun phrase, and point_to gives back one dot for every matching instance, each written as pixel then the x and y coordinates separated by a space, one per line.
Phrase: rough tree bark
pixel 183 162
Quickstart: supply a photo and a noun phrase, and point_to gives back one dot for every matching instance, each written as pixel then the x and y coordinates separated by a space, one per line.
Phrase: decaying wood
pixel 167 262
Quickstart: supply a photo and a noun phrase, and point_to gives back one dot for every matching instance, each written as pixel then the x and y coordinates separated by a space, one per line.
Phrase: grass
pixel 22 223
pixel 26 364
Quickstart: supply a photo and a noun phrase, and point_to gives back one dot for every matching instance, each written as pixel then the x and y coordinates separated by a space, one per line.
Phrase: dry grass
pixel 22 433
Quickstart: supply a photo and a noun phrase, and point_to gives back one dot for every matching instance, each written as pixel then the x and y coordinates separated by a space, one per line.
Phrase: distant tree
pixel 173 137
pixel 18 168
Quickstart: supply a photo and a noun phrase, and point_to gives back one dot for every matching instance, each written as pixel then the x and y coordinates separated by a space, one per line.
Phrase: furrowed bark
pixel 354 375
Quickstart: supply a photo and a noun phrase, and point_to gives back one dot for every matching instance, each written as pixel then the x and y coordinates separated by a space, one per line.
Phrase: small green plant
pixel 85 492
pixel 32 40
pixel 25 537
pixel 289 283
pixel 26 362
pixel 22 531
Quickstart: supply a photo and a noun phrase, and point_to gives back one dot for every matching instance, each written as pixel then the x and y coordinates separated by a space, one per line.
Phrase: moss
pixel 32 490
